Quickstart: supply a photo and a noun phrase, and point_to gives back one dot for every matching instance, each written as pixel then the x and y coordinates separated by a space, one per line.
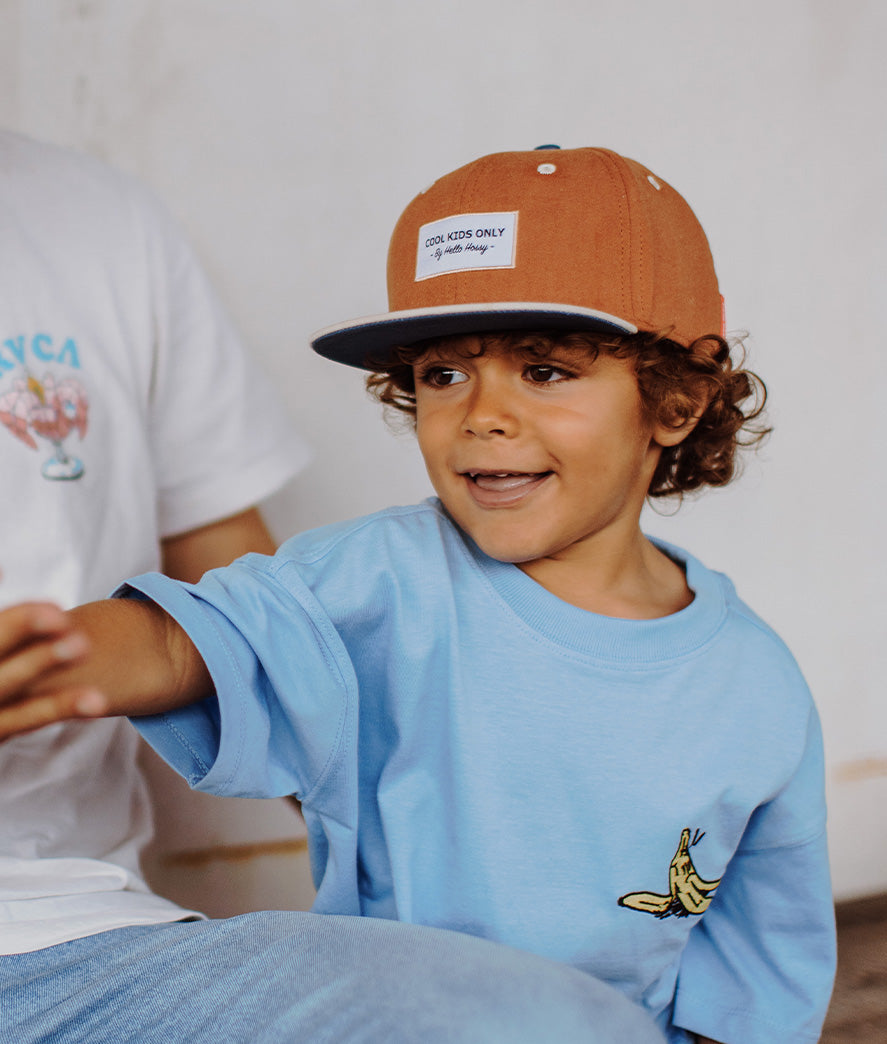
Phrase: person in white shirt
pixel 137 435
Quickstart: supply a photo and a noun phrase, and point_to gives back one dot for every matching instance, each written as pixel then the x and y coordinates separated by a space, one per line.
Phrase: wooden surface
pixel 858 1012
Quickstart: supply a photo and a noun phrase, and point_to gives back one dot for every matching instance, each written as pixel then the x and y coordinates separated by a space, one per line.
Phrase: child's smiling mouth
pixel 503 488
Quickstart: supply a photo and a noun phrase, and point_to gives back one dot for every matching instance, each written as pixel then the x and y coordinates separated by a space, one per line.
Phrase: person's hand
pixel 37 642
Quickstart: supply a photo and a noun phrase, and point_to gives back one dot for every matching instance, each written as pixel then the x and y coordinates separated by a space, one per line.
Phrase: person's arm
pixel 102 659
pixel 189 555
pixel 760 963
pixel 117 656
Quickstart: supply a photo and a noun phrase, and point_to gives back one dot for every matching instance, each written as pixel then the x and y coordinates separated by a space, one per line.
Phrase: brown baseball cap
pixel 579 239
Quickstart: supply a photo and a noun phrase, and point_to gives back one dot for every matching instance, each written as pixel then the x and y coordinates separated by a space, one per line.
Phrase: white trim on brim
pixel 358 340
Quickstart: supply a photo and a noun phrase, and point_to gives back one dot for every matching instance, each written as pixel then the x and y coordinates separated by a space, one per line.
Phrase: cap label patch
pixel 465 242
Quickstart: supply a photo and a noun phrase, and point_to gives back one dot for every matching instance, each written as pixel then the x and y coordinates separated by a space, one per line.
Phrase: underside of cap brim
pixel 366 343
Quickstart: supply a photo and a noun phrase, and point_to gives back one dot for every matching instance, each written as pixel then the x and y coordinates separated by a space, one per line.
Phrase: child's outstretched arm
pixel 102 659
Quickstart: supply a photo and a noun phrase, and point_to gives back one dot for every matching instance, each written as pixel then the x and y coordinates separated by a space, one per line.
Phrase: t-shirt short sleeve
pixel 221 436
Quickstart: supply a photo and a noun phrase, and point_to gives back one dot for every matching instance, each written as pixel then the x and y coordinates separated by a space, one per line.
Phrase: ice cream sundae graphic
pixel 50 409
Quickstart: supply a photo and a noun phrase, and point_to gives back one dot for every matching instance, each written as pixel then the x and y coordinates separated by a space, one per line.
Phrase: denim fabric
pixel 284 976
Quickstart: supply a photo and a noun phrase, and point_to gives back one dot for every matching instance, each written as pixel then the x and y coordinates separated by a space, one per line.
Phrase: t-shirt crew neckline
pixel 608 639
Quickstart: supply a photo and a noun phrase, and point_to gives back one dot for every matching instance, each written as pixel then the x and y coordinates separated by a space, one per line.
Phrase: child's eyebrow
pixel 445 353
pixel 433 355
pixel 554 352
pixel 525 352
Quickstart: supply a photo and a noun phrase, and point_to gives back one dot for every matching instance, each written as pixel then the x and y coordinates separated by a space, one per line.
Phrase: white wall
pixel 287 137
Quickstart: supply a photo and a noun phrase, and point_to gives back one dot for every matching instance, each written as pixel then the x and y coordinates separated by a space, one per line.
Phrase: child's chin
pixel 503 541
pixel 505 551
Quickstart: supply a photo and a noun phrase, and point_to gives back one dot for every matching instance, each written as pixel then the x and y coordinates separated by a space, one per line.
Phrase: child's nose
pixel 490 411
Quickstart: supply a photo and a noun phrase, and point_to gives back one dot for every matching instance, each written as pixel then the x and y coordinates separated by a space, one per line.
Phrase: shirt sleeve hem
pixel 735 1025
pixel 230 494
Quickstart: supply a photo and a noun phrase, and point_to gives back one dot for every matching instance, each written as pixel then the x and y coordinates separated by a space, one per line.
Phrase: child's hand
pixel 37 641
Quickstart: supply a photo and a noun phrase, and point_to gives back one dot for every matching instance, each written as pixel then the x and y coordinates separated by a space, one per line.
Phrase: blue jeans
pixel 285 976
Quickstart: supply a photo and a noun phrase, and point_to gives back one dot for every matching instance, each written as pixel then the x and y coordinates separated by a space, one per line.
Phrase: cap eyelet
pixel 654 182
pixel 546 168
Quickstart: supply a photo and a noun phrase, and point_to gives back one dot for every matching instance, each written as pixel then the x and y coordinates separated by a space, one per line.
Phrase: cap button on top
pixel 546 168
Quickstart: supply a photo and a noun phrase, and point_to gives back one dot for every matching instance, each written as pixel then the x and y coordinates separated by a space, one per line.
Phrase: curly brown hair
pixel 676 383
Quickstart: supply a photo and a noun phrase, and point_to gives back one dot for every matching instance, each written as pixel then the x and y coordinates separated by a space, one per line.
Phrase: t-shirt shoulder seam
pixel 319 549
pixel 736 606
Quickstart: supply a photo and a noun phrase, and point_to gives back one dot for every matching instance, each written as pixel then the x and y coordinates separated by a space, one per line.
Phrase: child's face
pixel 535 458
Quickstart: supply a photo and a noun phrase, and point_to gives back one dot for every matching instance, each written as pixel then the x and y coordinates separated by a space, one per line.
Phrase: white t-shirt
pixel 128 413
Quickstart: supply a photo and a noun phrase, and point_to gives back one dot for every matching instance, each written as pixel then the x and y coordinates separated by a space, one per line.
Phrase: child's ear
pixel 680 417
pixel 684 405
pixel 671 435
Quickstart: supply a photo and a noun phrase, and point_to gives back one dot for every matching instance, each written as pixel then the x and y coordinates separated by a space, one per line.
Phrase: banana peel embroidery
pixel 688 893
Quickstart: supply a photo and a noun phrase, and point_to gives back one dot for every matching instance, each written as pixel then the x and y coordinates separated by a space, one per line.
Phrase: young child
pixel 506 711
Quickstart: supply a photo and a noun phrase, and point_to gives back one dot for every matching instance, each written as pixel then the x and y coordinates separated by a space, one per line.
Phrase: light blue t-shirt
pixel 642 799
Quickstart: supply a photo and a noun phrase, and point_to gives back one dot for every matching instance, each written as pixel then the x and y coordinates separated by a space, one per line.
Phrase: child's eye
pixel 545 373
pixel 441 376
